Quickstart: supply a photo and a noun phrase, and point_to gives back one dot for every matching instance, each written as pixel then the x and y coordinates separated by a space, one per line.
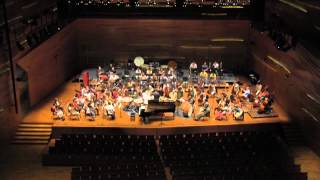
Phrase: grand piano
pixel 156 107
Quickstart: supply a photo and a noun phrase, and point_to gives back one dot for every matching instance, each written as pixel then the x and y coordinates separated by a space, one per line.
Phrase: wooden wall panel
pixel 297 91
pixel 50 64
pixel 102 40
pixel 5 90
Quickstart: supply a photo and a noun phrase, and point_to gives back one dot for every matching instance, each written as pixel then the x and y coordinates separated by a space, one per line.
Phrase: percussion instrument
pixel 138 61
pixel 164 66
pixel 145 66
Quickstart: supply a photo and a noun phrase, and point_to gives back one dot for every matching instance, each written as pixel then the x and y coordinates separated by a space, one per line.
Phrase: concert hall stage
pixel 124 124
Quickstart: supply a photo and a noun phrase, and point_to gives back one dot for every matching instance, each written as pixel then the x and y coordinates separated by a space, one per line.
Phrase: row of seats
pixel 246 155
pixel 250 155
pixel 99 157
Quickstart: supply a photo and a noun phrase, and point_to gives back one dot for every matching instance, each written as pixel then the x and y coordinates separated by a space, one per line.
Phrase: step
pixel 30 142
pixel 25 129
pixel 35 125
pixel 32 137
pixel 31 133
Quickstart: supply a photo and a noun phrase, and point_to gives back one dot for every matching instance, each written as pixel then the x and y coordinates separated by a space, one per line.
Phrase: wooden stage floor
pixel 42 114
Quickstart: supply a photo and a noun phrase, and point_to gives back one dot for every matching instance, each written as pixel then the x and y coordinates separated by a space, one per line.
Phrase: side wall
pixel 295 78
pixel 50 64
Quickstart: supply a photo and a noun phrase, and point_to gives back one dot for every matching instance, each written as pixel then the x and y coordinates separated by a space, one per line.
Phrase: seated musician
pixel 235 89
pixel 110 111
pixel 154 77
pixel 73 112
pixel 215 67
pixel 238 113
pixel 142 109
pixel 60 113
pixel 144 77
pixel 220 114
pixel 149 72
pixel 193 68
pixel 187 108
pixel 204 75
pixel 204 111
pixel 212 90
pixel 205 66
pixel 56 103
pixel 156 95
pixel 100 71
pixel 112 68
pixel 265 105
pixel 146 96
pixel 179 93
pixel 138 73
pixel 202 99
pixel 113 77
pixel 173 95
pixel 212 76
pixel 115 93
pixel 90 111
pixel 258 88
pixel 57 110
pixel 246 92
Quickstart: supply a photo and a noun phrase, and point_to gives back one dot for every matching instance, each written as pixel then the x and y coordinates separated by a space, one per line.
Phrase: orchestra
pixel 131 92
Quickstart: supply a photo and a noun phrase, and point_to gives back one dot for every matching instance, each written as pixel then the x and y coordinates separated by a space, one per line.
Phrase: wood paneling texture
pixel 303 24
pixel 50 64
pixel 5 90
pixel 102 40
pixel 297 92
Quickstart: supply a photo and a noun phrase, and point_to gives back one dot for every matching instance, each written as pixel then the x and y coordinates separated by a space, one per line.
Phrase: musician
pixel 56 103
pixel 180 93
pixel 213 76
pixel 146 96
pixel 142 109
pixel 110 111
pixel 73 112
pixel 215 66
pixel 258 88
pixel 173 95
pixel 238 113
pixel 112 68
pixel 246 92
pixel 202 99
pixel 210 69
pixel 235 89
pixel 156 95
pixel 264 106
pixel 59 113
pixel 149 72
pixel 57 109
pixel 90 111
pixel 204 112
pixel 100 71
pixel 205 67
pixel 193 68
pixel 113 77
pixel 204 74
pixel 187 108
pixel 212 90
